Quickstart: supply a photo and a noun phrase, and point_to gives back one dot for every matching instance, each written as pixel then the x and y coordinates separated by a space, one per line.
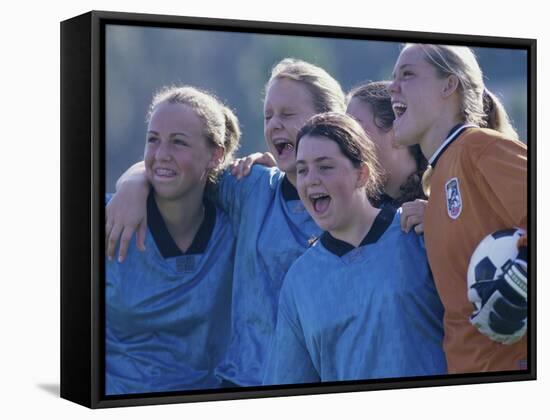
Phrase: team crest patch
pixel 454 200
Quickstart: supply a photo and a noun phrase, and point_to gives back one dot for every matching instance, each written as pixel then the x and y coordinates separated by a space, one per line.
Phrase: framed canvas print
pixel 255 209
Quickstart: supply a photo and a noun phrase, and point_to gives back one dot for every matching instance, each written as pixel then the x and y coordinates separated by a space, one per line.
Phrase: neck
pixel 182 216
pixel 437 133
pixel 359 223
pixel 404 167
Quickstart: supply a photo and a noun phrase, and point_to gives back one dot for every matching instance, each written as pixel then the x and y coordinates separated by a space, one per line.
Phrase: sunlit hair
pixel 478 105
pixel 377 97
pixel 351 140
pixel 326 93
pixel 220 125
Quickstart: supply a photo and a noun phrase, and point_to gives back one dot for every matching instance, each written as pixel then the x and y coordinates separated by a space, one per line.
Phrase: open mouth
pixel 320 202
pixel 283 146
pixel 164 173
pixel 399 109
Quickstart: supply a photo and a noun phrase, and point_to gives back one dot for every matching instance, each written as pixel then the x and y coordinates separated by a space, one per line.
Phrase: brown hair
pixel 377 96
pixel 352 142
pixel 221 126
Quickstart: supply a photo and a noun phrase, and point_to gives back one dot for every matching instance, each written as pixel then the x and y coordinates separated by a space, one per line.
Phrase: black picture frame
pixel 83 192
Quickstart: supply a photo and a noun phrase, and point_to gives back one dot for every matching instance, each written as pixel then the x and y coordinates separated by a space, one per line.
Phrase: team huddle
pixel 341 254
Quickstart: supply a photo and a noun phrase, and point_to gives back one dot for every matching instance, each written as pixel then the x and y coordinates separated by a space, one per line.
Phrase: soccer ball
pixel 490 256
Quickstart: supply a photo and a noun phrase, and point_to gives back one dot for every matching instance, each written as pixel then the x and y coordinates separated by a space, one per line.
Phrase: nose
pixel 311 178
pixel 273 123
pixel 163 151
pixel 393 87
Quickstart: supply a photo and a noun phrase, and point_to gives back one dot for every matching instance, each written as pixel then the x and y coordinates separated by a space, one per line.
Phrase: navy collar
pixel 381 223
pixel 454 134
pixel 289 191
pixel 385 200
pixel 164 240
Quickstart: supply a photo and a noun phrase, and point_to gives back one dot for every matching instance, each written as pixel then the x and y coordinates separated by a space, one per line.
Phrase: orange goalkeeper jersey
pixel 478 186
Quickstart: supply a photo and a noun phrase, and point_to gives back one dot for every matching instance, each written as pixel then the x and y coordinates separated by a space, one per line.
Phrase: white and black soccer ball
pixel 490 256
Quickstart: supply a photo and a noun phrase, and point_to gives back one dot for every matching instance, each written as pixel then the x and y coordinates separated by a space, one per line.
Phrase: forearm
pixel 135 175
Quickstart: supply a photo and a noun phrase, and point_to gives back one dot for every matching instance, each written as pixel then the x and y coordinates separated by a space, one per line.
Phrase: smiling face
pixel 177 156
pixel 417 96
pixel 328 183
pixel 288 105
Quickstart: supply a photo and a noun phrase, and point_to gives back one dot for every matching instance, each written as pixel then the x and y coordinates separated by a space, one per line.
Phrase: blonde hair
pixel 478 105
pixel 326 93
pixel 221 126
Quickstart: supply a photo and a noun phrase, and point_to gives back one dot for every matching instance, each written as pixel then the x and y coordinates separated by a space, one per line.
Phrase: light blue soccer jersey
pixel 167 313
pixel 273 229
pixel 359 313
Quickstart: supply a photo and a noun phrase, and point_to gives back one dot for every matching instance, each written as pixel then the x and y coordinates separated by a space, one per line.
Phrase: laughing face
pixel 327 183
pixel 288 105
pixel 177 156
pixel 416 95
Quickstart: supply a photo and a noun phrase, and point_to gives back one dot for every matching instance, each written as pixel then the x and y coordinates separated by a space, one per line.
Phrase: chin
pixel 324 224
pixel 286 165
pixel 402 139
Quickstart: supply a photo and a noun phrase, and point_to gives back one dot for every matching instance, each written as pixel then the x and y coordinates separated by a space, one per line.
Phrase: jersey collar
pixel 289 191
pixel 452 136
pixel 381 223
pixel 164 240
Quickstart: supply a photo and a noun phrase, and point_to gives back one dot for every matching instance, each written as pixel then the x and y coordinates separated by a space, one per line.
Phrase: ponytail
pixel 496 117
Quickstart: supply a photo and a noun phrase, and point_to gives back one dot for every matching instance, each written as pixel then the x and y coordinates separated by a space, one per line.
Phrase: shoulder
pixel 403 239
pixel 479 141
pixel 259 176
pixel 308 265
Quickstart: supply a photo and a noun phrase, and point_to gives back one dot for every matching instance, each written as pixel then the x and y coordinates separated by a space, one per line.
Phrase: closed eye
pixel 180 142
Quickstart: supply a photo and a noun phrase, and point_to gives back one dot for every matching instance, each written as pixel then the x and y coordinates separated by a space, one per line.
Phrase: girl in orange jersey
pixel 440 102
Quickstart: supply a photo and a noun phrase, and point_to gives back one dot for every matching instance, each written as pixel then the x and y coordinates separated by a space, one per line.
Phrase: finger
pixel 240 170
pixel 235 167
pixel 404 217
pixel 412 221
pixel 108 229
pixel 112 241
pixel 419 228
pixel 270 159
pixel 140 235
pixel 247 165
pixel 125 243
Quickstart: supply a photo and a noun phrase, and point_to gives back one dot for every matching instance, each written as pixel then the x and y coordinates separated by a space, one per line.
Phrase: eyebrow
pixel 171 134
pixel 316 160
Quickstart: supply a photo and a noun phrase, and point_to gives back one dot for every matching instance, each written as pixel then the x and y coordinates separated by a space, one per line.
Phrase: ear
pixel 450 86
pixel 363 177
pixel 217 157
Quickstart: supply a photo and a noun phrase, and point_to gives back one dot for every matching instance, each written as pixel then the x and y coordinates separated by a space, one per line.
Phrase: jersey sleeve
pixel 232 194
pixel 289 361
pixel 503 167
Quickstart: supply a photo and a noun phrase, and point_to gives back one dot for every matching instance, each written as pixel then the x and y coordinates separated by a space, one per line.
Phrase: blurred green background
pixel 236 66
